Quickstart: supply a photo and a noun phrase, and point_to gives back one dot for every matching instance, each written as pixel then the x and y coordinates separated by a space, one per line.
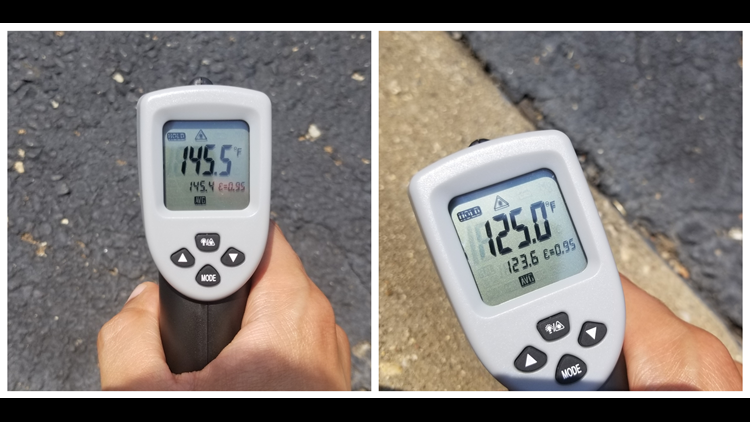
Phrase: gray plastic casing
pixel 498 334
pixel 168 231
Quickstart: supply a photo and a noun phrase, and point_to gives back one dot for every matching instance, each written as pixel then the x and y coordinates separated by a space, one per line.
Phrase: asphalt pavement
pixel 658 118
pixel 76 247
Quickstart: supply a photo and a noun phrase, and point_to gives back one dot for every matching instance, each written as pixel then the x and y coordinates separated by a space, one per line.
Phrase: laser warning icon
pixel 500 203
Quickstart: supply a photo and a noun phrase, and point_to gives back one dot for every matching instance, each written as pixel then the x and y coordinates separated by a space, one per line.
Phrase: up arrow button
pixel 183 258
pixel 530 360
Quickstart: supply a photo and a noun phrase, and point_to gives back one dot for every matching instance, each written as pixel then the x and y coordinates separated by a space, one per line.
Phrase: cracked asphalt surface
pixel 76 246
pixel 657 118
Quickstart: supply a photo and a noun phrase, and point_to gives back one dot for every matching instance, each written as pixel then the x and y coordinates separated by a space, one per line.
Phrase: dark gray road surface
pixel 658 117
pixel 76 246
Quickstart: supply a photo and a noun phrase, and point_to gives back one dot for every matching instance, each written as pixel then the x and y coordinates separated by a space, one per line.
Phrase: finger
pixel 129 345
pixel 345 356
pixel 279 262
pixel 664 352
pixel 280 280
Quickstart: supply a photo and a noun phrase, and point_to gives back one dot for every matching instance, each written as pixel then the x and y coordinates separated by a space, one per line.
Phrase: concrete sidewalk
pixel 434 100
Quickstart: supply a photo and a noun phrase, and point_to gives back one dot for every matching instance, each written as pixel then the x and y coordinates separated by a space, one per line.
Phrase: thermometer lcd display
pixel 206 165
pixel 517 236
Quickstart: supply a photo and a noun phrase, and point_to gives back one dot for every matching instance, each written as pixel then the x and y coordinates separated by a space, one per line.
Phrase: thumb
pixel 129 345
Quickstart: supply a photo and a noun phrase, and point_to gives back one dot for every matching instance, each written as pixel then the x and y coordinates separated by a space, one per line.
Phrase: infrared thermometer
pixel 518 244
pixel 204 155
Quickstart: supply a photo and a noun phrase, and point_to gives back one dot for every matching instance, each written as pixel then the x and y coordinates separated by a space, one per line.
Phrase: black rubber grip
pixel 193 333
pixel 618 380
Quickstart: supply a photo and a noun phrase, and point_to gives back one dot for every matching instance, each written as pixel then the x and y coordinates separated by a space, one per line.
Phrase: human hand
pixel 663 352
pixel 289 339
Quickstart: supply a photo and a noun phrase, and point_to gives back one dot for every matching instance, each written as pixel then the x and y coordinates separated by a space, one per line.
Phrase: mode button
pixel 570 369
pixel 208 276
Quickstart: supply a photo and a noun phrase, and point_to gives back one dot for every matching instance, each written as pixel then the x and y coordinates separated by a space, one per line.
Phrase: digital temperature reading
pixel 517 236
pixel 206 165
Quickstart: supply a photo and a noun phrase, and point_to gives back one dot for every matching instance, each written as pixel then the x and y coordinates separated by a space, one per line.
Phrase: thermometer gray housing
pixel 499 334
pixel 168 231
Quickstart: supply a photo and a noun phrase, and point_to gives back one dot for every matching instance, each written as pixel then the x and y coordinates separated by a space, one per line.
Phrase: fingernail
pixel 138 290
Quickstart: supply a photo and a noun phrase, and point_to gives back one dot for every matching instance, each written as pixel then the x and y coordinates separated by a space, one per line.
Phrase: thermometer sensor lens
pixel 517 236
pixel 206 165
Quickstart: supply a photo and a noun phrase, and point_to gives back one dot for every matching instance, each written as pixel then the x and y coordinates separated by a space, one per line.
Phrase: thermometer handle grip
pixel 618 380
pixel 193 333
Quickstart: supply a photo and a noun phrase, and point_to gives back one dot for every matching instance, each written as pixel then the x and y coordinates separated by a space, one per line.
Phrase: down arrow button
pixel 232 257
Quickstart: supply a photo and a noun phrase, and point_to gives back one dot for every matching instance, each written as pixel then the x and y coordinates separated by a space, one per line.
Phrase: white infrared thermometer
pixel 517 241
pixel 204 154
